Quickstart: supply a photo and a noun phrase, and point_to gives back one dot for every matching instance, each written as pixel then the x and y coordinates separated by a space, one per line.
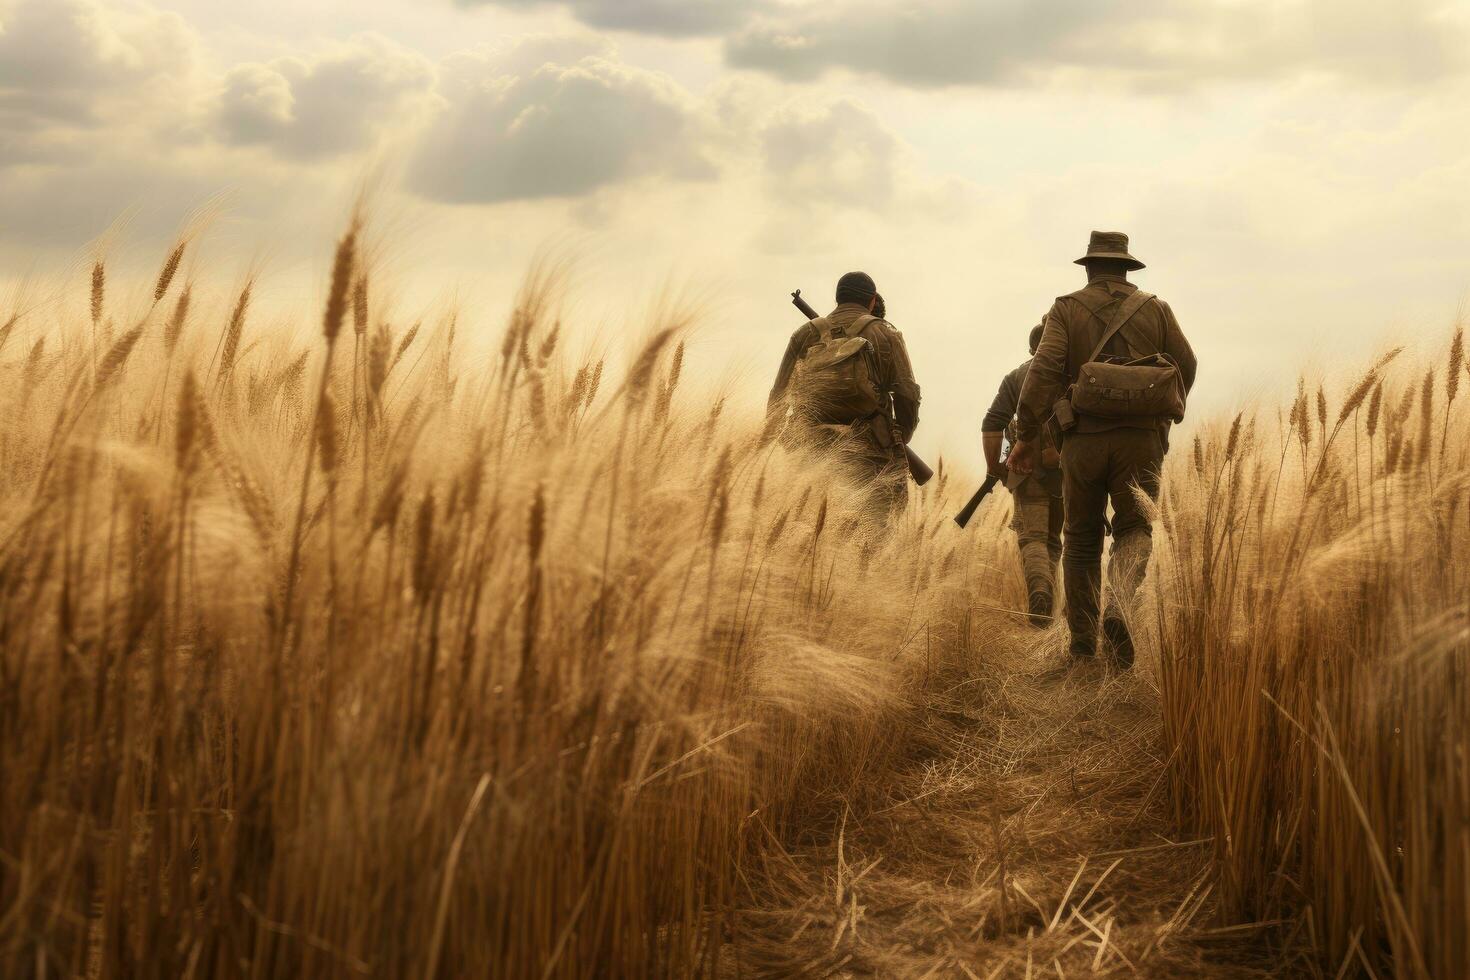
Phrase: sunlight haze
pixel 1296 175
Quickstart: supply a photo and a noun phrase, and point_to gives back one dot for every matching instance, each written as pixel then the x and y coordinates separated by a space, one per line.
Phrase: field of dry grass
pixel 341 652
pixel 1312 626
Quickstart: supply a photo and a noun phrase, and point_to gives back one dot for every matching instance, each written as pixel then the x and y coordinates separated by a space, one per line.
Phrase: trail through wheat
pixel 1022 834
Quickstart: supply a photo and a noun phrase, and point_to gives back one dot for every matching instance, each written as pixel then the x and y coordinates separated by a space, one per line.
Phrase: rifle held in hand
pixel 963 517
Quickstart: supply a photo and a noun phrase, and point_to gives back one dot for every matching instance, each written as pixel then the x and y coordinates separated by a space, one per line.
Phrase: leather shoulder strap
pixel 1121 316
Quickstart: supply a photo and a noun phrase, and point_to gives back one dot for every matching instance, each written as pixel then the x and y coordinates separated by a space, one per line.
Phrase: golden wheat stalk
pixel 167 273
pixel 99 288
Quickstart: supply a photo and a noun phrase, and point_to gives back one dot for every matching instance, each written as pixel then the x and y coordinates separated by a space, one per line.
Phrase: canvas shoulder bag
pixel 1147 385
pixel 836 381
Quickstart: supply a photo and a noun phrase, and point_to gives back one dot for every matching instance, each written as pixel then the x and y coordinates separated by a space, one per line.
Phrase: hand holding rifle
pixel 993 445
pixel 1023 458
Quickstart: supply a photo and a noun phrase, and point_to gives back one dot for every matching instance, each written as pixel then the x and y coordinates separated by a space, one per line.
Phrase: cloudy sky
pixel 1295 172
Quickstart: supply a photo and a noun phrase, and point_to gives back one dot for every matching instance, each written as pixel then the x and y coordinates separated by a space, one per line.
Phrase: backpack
pixel 1141 386
pixel 836 380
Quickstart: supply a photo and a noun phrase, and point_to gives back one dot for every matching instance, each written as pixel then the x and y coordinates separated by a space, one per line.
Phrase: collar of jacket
pixel 846 314
pixel 1115 285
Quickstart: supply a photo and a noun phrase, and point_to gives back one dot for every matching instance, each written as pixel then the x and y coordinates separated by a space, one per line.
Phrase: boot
pixel 1117 642
pixel 1040 609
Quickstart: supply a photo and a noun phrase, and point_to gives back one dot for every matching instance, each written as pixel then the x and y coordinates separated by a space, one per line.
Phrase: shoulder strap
pixel 880 340
pixel 823 326
pixel 1124 313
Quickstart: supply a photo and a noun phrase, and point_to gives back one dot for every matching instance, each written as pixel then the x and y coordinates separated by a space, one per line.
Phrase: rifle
pixel 963 517
pixel 918 469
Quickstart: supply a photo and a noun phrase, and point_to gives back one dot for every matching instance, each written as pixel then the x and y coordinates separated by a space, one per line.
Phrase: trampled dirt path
pixel 1025 834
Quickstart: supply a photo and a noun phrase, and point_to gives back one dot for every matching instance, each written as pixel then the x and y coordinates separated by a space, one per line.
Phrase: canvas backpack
pixel 1143 385
pixel 837 381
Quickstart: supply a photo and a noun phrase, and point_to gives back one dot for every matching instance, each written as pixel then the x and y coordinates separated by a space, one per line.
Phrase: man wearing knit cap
pixel 875 443
pixel 1107 454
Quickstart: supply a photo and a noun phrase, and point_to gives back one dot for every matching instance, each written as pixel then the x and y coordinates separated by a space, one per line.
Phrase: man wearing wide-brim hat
pixel 1114 368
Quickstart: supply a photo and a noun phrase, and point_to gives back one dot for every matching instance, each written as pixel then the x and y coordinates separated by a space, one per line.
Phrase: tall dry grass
pixel 351 652
pixel 331 655
pixel 1313 577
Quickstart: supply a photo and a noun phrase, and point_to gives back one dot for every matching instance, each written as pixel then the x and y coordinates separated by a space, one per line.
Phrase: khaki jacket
pixel 1075 324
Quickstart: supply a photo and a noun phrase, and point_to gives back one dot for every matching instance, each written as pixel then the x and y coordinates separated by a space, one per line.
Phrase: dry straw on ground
pixel 333 659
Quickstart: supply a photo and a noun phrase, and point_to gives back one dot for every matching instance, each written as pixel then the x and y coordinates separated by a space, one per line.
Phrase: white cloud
pixel 80 63
pixel 1145 44
pixel 508 131
pixel 521 56
pixel 88 81
pixel 338 101
pixel 668 18
pixel 837 153
pixel 257 104
pixel 539 117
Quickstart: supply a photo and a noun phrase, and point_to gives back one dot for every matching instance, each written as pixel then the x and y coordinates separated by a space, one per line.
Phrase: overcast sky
pixel 1296 173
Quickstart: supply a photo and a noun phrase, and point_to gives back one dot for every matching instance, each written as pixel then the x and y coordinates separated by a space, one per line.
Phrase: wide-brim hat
pixel 1109 245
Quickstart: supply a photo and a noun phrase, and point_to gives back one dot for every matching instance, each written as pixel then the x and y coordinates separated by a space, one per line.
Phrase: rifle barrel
pixel 803 306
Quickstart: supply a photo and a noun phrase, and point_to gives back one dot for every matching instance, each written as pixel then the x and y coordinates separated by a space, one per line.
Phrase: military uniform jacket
pixel 895 373
pixel 1074 325
pixel 1001 418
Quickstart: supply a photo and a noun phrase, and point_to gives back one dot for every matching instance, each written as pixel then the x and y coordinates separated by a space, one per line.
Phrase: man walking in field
pixel 1037 497
pixel 846 379
pixel 1115 368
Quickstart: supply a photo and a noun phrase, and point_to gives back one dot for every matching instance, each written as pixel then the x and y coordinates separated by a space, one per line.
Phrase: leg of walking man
pixel 1085 489
pixel 1034 535
pixel 1138 455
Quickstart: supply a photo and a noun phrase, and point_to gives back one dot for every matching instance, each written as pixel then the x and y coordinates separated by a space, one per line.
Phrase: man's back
pixel 1089 310
pixel 895 373
pixel 1076 323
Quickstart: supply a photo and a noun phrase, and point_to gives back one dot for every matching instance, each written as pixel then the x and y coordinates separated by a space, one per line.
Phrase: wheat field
pixel 339 651
pixel 1312 631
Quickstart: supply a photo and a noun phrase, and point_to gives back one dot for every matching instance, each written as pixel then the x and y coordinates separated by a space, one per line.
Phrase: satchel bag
pixel 1141 387
pixel 836 381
